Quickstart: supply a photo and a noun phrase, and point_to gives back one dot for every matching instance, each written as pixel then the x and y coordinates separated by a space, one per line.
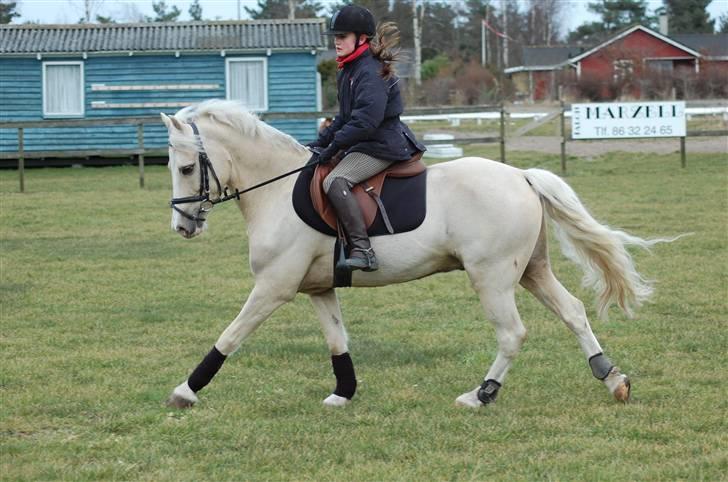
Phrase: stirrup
pixel 367 263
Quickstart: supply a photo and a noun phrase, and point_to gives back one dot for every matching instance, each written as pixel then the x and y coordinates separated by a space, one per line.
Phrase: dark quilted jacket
pixel 369 110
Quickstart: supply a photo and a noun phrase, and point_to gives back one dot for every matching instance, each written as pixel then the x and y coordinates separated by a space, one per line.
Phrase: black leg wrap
pixel 600 366
pixel 488 391
pixel 345 376
pixel 206 370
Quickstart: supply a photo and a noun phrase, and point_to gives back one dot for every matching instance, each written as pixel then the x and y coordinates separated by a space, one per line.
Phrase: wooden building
pixel 633 54
pixel 119 70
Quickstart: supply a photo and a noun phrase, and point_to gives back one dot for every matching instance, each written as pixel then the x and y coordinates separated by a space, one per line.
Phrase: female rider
pixel 367 135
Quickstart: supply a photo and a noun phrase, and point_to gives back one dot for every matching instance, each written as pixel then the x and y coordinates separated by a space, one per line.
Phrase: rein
pixel 203 196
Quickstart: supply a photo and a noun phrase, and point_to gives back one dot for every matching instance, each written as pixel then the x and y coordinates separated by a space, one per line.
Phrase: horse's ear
pixel 171 122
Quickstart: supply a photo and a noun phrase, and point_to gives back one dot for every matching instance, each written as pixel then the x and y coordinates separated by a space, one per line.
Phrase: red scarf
pixel 352 56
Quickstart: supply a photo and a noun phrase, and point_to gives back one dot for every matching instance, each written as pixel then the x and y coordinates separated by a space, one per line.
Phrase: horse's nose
pixel 184 232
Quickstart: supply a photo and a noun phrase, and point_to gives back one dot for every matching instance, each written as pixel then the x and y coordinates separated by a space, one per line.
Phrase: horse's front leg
pixel 261 303
pixel 329 312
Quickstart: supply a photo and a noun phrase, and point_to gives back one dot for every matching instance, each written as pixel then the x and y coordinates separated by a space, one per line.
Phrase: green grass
pixel 105 310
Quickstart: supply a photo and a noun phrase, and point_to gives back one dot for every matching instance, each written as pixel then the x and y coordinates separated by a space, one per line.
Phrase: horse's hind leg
pixel 329 312
pixel 498 299
pixel 540 280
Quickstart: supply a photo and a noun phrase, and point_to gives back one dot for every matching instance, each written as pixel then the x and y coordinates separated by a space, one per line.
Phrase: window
pixel 63 89
pixel 661 66
pixel 623 69
pixel 247 81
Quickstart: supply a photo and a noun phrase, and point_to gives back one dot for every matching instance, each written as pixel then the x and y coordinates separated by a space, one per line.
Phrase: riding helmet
pixel 352 18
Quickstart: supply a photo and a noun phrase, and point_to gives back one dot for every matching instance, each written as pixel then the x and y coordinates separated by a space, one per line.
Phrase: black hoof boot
pixel 488 391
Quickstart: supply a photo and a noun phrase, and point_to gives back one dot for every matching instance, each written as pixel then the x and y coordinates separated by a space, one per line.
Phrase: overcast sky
pixel 69 11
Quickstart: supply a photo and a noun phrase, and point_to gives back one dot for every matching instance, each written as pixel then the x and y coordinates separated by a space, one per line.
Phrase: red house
pixel 636 63
pixel 628 56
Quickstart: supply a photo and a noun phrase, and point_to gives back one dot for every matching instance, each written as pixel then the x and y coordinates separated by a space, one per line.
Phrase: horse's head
pixel 200 171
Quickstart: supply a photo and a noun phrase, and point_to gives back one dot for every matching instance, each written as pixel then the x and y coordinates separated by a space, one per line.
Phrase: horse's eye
pixel 187 170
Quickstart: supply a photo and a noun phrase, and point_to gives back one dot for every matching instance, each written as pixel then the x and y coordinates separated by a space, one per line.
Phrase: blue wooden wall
pixel 291 87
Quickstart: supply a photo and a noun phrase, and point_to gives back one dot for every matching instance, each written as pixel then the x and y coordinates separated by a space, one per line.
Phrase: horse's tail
pixel 600 251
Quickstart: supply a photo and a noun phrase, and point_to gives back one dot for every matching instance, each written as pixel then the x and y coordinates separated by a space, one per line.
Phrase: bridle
pixel 203 195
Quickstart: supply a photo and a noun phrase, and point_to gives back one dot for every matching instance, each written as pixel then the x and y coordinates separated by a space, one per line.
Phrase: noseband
pixel 203 195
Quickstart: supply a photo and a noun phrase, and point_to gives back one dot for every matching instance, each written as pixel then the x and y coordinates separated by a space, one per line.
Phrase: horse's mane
pixel 233 114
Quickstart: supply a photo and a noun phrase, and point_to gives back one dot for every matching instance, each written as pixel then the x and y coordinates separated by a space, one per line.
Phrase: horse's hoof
pixel 182 397
pixel 619 385
pixel 469 400
pixel 623 391
pixel 336 401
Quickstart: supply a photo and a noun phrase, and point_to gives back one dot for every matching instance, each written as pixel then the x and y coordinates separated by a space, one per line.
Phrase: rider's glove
pixel 328 153
pixel 314 159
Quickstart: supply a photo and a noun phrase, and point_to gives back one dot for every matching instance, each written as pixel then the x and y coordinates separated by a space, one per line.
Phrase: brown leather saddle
pixel 368 193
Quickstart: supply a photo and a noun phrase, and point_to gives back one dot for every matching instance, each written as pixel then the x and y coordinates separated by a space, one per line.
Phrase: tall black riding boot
pixel 361 255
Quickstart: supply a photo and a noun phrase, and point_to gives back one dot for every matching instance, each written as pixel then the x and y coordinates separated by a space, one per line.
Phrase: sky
pixel 69 11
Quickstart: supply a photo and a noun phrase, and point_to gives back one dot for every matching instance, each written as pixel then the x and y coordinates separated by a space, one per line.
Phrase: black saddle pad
pixel 403 198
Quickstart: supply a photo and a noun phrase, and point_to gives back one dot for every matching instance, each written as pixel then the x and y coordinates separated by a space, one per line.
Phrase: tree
pixel 587 34
pixel 438 30
pixel 723 23
pixel 688 16
pixel 470 19
pixel 615 15
pixel 281 9
pixel 7 12
pixel 195 11
pixel 160 8
pixel 544 20
pixel 619 14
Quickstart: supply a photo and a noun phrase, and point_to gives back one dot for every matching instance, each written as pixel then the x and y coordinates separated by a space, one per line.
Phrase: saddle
pixel 368 193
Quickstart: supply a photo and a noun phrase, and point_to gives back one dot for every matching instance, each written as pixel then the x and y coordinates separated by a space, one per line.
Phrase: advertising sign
pixel 628 119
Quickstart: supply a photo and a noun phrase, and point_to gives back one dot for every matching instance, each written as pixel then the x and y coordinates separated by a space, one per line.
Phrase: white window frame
pixel 264 60
pixel 623 69
pixel 83 91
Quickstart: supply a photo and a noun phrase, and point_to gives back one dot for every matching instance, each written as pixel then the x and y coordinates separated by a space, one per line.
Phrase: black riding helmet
pixel 352 18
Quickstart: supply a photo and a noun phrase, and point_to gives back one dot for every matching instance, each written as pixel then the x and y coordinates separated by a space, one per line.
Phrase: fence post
pixel 140 141
pixel 563 138
pixel 503 134
pixel 683 161
pixel 21 158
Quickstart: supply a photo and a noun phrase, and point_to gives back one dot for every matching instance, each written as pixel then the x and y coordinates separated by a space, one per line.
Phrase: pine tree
pixel 7 12
pixel 615 15
pixel 723 23
pixel 689 16
pixel 619 14
pixel 160 8
pixel 195 11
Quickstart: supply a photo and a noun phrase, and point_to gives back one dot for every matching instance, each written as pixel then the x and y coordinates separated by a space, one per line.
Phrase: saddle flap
pixel 367 204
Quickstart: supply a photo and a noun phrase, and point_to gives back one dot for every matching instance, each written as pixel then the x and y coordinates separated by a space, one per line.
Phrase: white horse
pixel 484 217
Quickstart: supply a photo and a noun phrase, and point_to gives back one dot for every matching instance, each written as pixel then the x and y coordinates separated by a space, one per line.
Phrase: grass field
pixel 105 310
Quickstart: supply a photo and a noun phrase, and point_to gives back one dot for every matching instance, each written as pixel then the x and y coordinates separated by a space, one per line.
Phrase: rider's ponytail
pixel 383 47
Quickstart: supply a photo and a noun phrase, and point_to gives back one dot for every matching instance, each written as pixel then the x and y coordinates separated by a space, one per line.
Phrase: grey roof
pixel 90 38
pixel 548 56
pixel 708 44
